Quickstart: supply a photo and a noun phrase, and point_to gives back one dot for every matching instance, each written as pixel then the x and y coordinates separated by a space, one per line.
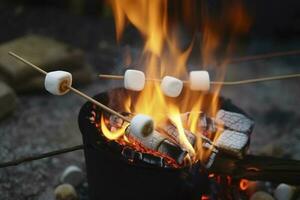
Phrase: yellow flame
pixel 162 56
pixel 174 116
pixel 111 135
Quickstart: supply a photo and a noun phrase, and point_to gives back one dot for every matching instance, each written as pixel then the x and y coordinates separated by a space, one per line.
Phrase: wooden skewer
pixel 72 88
pixel 247 81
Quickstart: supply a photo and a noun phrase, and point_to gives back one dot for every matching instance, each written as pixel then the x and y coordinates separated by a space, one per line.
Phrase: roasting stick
pixel 72 88
pixel 264 56
pixel 40 156
pixel 247 81
pixel 60 82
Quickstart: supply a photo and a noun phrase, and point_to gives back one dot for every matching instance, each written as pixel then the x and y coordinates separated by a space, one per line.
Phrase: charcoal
pixel 151 141
pixel 172 131
pixel 154 160
pixel 204 123
pixel 211 125
pixel 233 142
pixel 234 121
pixel 158 142
pixel 133 155
pixel 172 151
pixel 211 160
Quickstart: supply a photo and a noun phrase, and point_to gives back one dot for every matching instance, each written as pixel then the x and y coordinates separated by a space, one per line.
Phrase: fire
pixel 109 134
pixel 163 55
pixel 244 184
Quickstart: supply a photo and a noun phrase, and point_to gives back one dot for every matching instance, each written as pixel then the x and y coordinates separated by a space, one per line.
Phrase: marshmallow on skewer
pixel 171 86
pixel 134 80
pixel 199 80
pixel 58 82
pixel 141 125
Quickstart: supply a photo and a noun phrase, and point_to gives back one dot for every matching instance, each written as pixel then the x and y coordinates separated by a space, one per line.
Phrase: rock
pixel 65 192
pixel 44 52
pixel 7 99
pixel 72 175
pixel 284 192
pixel 260 195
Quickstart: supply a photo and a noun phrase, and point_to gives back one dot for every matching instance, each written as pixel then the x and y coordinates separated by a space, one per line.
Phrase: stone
pixel 65 192
pixel 261 195
pixel 8 100
pixel 44 52
pixel 72 175
pixel 284 192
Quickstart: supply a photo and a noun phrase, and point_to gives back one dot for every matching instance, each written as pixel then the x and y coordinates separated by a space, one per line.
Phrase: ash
pixel 43 122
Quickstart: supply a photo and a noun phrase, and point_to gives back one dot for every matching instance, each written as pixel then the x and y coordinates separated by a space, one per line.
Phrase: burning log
pixel 160 143
pixel 204 123
pixel 172 131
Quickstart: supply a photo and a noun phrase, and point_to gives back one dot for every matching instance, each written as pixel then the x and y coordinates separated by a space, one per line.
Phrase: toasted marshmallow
pixel 58 82
pixel 199 80
pixel 141 125
pixel 171 86
pixel 134 80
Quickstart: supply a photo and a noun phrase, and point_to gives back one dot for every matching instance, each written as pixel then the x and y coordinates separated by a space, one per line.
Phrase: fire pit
pixel 117 172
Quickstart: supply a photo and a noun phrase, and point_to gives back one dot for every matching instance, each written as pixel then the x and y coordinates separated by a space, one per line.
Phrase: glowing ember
pixel 162 55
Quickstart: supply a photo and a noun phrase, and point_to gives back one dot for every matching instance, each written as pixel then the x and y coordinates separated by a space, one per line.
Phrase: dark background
pixel 42 122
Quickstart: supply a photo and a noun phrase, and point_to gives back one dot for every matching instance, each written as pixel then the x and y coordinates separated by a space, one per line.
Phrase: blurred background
pixel 79 36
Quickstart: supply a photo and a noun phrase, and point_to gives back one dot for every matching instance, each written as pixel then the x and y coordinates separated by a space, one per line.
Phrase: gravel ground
pixel 43 122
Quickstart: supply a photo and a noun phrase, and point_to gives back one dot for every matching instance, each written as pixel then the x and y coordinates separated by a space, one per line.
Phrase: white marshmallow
pixel 171 86
pixel 57 82
pixel 141 125
pixel 134 80
pixel 199 80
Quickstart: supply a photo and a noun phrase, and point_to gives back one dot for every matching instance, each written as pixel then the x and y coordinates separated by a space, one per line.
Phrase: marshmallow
pixel 171 86
pixel 58 82
pixel 199 80
pixel 141 125
pixel 134 80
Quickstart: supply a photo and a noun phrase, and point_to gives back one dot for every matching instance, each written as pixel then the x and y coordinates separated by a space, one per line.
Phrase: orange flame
pixel 244 184
pixel 162 54
pixel 109 134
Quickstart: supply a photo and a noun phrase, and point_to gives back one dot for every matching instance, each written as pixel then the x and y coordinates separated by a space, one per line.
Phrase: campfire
pixel 233 130
pixel 198 131
pixel 168 134
pixel 161 149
